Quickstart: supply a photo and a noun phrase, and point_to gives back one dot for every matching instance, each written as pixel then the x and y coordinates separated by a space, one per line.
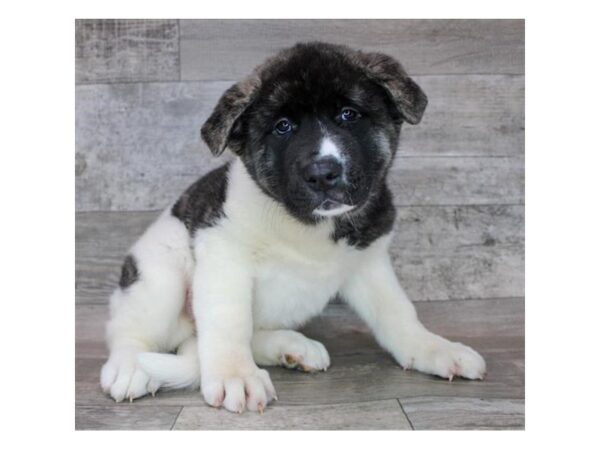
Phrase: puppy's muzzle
pixel 323 174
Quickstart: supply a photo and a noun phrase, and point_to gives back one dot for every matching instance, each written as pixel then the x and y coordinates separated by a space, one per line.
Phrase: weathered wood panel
pixel 229 49
pixel 123 417
pixel 469 115
pixel 457 181
pixel 460 252
pixel 138 145
pixel 431 413
pixel 439 253
pixel 360 371
pixel 126 50
pixel 353 377
pixel 378 415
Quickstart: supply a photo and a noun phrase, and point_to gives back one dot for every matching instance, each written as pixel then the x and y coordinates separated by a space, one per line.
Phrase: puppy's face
pixel 319 131
pixel 319 136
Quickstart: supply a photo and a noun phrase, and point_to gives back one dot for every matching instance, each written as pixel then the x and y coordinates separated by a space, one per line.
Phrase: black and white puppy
pixel 257 247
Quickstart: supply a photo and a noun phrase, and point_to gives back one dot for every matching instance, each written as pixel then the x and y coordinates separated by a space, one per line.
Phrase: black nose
pixel 323 174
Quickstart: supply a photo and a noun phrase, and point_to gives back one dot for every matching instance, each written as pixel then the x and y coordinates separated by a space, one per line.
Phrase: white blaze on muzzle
pixel 329 149
pixel 330 208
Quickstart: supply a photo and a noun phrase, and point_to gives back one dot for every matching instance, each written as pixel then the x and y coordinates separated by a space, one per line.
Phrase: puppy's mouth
pixel 332 208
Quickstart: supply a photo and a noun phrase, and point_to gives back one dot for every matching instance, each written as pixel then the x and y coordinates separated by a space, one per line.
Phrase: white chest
pixel 297 268
pixel 291 287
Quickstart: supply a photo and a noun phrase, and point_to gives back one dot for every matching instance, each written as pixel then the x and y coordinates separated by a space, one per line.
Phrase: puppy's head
pixel 317 126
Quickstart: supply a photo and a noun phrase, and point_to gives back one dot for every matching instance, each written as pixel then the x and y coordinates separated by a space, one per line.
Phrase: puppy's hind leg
pixel 120 376
pixel 289 348
pixel 146 309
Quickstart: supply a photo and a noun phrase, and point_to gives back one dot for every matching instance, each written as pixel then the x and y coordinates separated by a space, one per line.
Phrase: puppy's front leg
pixel 222 302
pixel 378 298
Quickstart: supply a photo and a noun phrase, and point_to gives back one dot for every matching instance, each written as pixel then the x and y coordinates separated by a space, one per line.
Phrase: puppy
pixel 254 249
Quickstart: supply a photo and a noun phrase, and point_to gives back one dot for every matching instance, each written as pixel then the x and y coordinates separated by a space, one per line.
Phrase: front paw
pixel 437 356
pixel 245 388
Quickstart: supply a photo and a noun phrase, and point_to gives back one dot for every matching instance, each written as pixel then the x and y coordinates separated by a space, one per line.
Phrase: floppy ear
pixel 408 97
pixel 217 129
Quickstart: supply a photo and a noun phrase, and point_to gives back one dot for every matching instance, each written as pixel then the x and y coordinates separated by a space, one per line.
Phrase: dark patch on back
pixel 129 272
pixel 201 205
pixel 375 221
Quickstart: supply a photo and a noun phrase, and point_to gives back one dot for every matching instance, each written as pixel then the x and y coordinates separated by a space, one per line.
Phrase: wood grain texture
pixel 439 253
pixel 361 382
pixel 378 415
pixel 459 252
pixel 427 181
pixel 228 49
pixel 431 413
pixel 369 374
pixel 469 116
pixel 138 146
pixel 108 51
pixel 360 371
pixel 123 417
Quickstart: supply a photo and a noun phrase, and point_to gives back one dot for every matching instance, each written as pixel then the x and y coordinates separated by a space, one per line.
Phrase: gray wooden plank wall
pixel 145 87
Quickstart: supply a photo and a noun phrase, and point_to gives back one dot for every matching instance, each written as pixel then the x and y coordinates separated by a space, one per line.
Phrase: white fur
pixel 333 212
pixel 254 276
pixel 328 148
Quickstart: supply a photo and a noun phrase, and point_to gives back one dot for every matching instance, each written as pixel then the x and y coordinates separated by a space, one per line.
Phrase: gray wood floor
pixel 363 389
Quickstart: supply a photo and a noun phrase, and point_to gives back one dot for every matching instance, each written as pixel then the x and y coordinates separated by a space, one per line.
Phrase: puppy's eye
pixel 282 127
pixel 349 114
